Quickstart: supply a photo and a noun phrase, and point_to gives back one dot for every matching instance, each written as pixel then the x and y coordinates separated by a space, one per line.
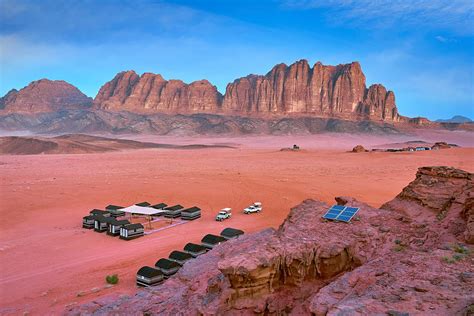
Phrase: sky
pixel 421 49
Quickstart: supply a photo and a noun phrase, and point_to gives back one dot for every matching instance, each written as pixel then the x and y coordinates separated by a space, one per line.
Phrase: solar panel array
pixel 341 213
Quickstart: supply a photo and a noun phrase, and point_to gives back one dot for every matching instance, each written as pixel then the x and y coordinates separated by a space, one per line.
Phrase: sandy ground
pixel 48 261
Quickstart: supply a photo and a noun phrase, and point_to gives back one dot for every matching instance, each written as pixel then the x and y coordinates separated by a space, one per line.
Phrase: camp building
pixel 210 240
pixel 115 210
pixel 231 233
pixel 115 225
pixel 195 250
pixel 180 257
pixel 173 211
pixel 191 213
pixel 148 276
pixel 131 231
pixel 168 267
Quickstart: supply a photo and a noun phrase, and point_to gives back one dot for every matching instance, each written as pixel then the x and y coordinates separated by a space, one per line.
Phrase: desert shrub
pixel 398 241
pixel 448 259
pixel 112 279
pixel 398 248
pixel 460 249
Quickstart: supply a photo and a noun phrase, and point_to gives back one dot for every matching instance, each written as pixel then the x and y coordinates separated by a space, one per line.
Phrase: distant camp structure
pixel 180 257
pixel 231 233
pixel 117 220
pixel 195 250
pixel 173 211
pixel 148 276
pixel 171 265
pixel 210 240
pixel 131 231
pixel 191 213
pixel 168 267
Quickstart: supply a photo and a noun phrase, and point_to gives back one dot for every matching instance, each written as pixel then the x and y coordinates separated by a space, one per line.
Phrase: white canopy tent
pixel 142 210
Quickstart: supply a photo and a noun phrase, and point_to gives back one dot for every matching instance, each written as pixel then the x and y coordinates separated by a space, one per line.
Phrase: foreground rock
pixel 44 96
pixel 384 262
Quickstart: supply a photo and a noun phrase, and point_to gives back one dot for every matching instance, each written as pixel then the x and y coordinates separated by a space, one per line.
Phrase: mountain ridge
pixel 298 89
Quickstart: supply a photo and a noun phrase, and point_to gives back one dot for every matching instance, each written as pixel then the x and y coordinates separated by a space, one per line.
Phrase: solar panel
pixel 341 213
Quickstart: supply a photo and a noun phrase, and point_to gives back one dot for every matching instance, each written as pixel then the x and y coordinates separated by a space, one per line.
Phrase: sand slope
pixel 78 144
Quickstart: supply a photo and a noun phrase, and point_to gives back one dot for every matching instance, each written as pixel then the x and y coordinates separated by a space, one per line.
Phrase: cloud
pixel 455 16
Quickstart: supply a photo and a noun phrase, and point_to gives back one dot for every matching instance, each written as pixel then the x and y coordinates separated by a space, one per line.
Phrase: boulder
pixel 359 149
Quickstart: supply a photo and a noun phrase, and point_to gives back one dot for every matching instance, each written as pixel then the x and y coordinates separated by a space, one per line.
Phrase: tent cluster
pixel 166 267
pixel 112 221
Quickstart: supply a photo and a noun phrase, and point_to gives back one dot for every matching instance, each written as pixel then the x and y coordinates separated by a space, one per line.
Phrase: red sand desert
pixel 48 261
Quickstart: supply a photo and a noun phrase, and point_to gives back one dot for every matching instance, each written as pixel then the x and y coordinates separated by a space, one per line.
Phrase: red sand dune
pixel 48 259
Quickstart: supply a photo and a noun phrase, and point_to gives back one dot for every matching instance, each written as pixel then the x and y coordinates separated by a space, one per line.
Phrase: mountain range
pixel 297 96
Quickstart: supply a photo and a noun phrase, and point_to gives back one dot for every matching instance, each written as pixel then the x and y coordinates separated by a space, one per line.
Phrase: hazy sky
pixel 421 49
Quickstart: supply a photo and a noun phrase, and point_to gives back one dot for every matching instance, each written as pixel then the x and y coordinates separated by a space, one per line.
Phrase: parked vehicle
pixel 225 213
pixel 254 208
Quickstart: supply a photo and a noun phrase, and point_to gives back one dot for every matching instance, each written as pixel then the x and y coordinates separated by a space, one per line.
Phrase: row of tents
pixel 166 267
pixel 108 220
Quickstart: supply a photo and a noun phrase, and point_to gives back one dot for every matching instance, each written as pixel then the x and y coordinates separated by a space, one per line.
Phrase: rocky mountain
pixel 322 91
pixel 149 92
pixel 455 119
pixel 44 96
pixel 411 257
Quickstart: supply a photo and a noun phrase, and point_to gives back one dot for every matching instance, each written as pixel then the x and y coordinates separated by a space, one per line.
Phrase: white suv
pixel 225 213
pixel 254 208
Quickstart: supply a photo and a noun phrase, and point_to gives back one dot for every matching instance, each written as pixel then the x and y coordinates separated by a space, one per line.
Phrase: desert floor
pixel 48 261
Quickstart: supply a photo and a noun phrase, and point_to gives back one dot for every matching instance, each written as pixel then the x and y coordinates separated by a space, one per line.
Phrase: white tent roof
pixel 143 210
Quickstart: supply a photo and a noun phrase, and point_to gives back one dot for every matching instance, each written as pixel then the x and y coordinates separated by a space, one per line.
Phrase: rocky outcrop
pixel 44 96
pixel 384 262
pixel 323 91
pixel 151 93
pixel 359 149
pixel 326 91
pixel 438 194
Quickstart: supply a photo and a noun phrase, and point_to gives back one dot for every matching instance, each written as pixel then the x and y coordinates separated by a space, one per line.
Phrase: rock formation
pixel 323 91
pixel 44 96
pixel 150 92
pixel 385 262
pixel 359 149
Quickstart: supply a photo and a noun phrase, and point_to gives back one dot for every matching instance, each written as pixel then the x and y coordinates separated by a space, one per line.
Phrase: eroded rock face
pixel 151 93
pixel 323 91
pixel 327 91
pixel 438 194
pixel 383 262
pixel 44 96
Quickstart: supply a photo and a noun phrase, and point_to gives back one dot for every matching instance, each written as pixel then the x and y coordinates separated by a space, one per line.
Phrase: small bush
pixel 112 279
pixel 448 259
pixel 398 241
pixel 461 249
pixel 398 248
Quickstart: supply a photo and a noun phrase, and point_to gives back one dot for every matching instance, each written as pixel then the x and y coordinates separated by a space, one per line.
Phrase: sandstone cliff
pixel 322 91
pixel 385 262
pixel 150 92
pixel 326 91
pixel 44 96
